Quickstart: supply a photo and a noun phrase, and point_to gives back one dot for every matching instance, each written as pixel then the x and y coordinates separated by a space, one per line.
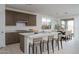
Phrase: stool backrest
pixel 68 32
pixel 59 36
pixel 56 35
pixel 50 37
pixel 37 39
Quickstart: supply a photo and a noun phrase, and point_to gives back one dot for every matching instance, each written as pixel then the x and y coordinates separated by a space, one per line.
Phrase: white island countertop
pixel 26 34
pixel 32 35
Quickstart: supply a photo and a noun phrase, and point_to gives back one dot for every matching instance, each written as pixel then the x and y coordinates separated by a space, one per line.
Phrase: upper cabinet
pixel 21 16
pixel 12 17
pixel 31 20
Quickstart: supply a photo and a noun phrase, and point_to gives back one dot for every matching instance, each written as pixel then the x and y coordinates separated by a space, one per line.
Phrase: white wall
pixel 2 25
pixel 76 35
pixel 76 27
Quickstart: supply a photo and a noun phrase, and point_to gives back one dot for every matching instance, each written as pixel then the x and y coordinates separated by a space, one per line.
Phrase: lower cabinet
pixel 21 43
pixel 12 37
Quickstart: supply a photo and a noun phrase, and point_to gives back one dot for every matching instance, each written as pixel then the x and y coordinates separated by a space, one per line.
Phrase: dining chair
pixel 69 35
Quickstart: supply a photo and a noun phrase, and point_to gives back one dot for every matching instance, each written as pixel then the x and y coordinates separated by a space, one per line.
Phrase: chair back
pixel 68 32
pixel 37 40
pixel 55 35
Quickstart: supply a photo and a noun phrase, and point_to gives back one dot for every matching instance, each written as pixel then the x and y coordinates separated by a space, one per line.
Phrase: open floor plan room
pixel 39 29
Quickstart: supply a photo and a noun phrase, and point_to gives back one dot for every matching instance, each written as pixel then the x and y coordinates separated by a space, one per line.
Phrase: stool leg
pixel 29 48
pixel 33 48
pixel 58 44
pixel 43 46
pixel 36 49
pixel 48 46
pixel 40 48
pixel 61 43
pixel 53 45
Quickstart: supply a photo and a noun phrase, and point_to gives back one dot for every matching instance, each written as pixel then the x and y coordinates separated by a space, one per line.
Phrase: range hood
pixel 22 21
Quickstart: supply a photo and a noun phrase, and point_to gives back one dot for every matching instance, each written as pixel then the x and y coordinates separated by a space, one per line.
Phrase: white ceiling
pixel 56 10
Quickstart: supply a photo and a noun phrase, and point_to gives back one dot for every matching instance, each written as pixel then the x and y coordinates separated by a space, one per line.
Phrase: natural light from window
pixel 46 23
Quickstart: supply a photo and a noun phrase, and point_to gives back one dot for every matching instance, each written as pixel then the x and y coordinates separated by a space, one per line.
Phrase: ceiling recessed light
pixel 28 4
pixel 56 13
pixel 65 12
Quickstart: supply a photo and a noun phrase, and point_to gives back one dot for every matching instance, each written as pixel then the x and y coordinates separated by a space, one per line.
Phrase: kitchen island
pixel 26 38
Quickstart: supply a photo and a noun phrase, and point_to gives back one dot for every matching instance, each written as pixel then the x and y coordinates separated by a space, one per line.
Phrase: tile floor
pixel 11 49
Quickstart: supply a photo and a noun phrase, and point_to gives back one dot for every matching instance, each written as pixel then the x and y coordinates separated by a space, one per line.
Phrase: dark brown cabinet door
pixel 31 20
pixel 10 18
pixel 13 17
pixel 12 38
pixel 21 16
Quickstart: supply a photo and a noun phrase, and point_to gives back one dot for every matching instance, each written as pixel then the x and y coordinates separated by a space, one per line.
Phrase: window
pixel 46 23
pixel 68 24
pixel 63 24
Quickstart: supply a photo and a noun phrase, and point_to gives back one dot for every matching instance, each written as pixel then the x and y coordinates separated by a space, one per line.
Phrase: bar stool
pixel 51 39
pixel 30 46
pixel 60 39
pixel 56 38
pixel 37 42
pixel 44 41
